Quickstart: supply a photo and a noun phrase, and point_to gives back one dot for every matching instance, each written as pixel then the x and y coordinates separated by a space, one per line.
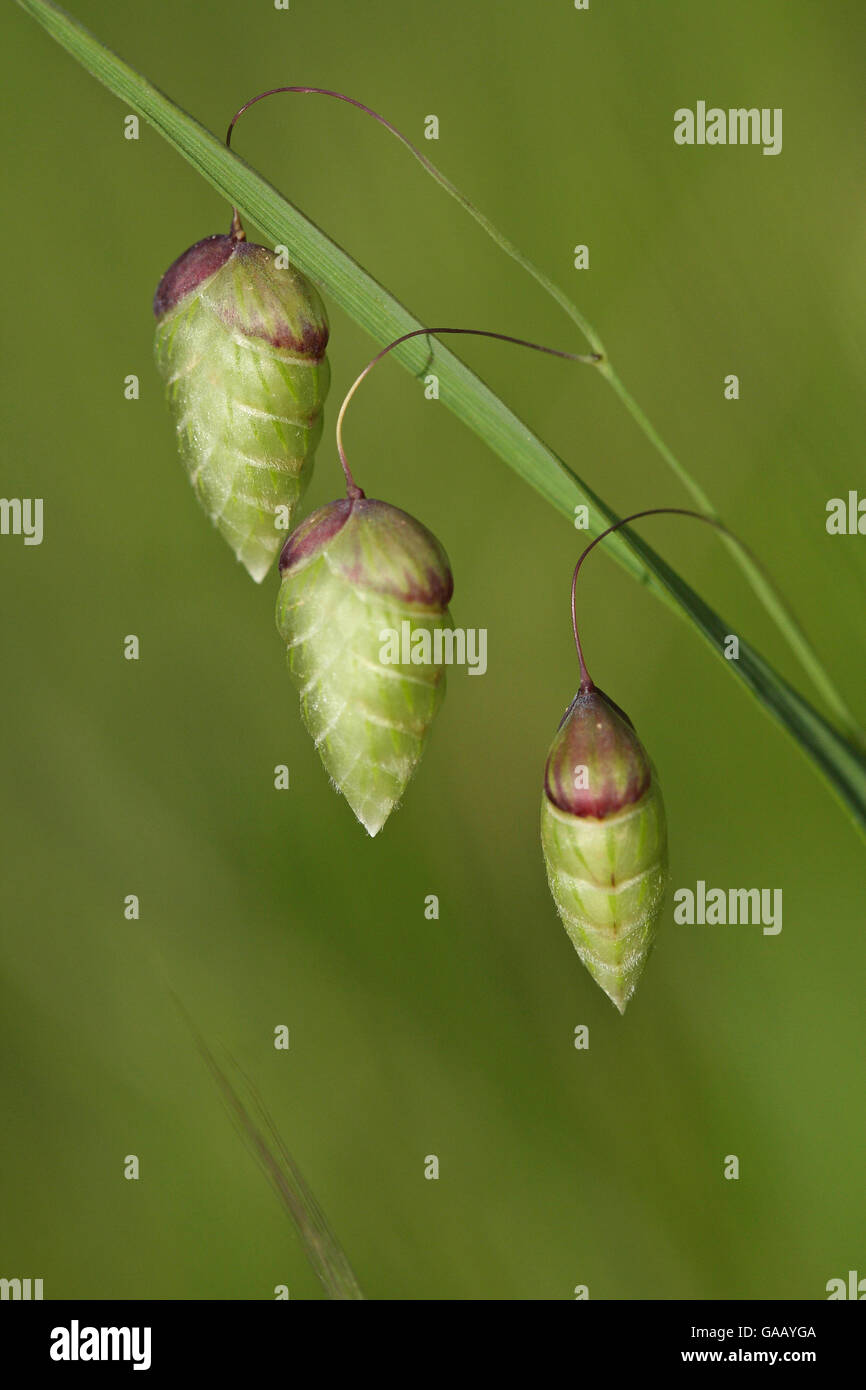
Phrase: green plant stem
pixel 384 318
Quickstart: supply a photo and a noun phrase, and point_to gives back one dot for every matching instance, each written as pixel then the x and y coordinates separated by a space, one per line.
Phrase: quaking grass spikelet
pixel 240 343
pixel 604 840
pixel 603 829
pixel 352 574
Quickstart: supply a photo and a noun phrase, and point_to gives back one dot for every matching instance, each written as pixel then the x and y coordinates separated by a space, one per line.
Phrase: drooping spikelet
pixel 604 840
pixel 363 583
pixel 241 344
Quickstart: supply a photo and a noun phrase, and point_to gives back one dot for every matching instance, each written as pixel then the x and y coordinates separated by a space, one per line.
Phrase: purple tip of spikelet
pixel 314 532
pixel 190 270
pixel 597 765
pixel 376 547
pixel 259 300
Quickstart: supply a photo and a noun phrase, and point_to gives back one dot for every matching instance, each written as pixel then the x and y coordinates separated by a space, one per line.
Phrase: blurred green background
pixel 408 1037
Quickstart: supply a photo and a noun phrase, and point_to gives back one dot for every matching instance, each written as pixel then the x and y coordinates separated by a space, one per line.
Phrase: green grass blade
pixel 258 1131
pixel 384 318
pixel 326 1255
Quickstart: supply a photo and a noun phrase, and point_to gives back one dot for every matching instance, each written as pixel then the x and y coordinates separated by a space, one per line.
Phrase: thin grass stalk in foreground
pixel 842 764
pixel 323 1250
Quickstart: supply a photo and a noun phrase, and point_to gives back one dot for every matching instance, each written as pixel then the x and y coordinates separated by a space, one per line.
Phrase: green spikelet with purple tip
pixel 240 343
pixel 604 840
pixel 352 575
